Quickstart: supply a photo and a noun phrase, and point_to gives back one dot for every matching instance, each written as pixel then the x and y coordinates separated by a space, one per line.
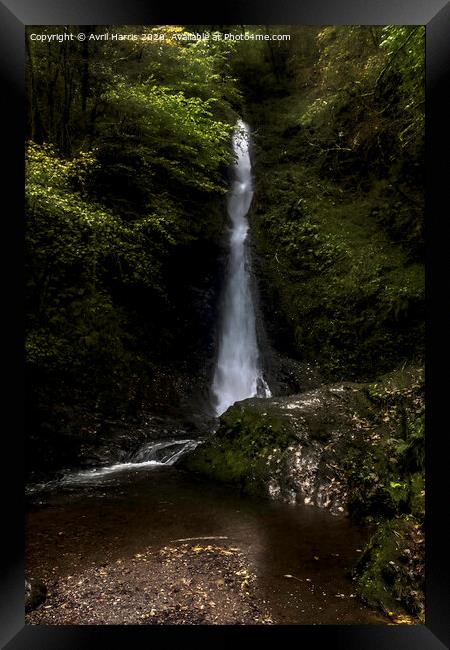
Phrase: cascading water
pixel 238 374
pixel 156 453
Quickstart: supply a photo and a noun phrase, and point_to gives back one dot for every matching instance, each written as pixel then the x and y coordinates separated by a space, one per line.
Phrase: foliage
pixel 390 572
pixel 338 209
pixel 173 137
pixel 405 48
pixel 370 95
pixel 390 480
pixel 388 489
pixel 129 143
pixel 75 250
pixel 352 300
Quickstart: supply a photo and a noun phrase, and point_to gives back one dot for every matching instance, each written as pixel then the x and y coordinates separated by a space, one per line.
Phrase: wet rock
pixel 35 594
pixel 289 447
pixel 391 569
pixel 111 441
pixel 290 376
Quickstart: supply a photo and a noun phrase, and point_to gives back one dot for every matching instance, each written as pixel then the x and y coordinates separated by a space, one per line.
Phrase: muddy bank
pixel 187 584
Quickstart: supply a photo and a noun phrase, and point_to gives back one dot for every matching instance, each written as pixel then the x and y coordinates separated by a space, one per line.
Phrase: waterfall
pixel 238 374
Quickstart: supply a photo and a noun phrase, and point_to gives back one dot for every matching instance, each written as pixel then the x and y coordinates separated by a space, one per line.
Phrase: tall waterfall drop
pixel 238 374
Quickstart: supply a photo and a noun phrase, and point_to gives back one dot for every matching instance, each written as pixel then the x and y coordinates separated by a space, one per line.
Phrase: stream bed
pixel 301 555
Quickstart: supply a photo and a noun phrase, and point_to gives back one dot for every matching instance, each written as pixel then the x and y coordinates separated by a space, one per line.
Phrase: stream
pixel 91 518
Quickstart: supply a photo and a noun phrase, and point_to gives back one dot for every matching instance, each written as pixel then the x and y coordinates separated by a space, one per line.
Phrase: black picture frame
pixel 15 15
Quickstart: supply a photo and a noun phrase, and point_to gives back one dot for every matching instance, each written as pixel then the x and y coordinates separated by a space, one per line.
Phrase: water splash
pixel 238 374
pixel 157 453
pixel 151 454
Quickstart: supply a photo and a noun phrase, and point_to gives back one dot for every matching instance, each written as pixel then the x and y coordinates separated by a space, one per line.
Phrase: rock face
pixel 296 448
pixel 89 444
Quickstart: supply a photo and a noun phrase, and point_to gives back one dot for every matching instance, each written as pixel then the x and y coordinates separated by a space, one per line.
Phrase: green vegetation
pixel 391 570
pixel 338 212
pixel 389 489
pixel 127 155
pixel 129 144
pixel 390 480
pixel 239 452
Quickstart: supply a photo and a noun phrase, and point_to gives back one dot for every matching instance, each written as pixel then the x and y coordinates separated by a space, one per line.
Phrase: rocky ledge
pixel 296 448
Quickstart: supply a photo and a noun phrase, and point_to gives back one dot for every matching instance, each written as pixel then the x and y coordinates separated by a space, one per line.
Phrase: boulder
pixel 296 448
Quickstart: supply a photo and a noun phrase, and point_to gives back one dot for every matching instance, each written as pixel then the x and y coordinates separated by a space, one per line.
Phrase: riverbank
pixel 182 584
pixel 297 560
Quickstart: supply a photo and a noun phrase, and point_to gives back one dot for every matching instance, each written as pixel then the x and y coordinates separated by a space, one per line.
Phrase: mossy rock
pixel 345 448
pixel 286 446
pixel 358 447
pixel 390 573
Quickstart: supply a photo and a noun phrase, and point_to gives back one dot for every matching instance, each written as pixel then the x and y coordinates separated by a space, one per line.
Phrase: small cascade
pixel 151 454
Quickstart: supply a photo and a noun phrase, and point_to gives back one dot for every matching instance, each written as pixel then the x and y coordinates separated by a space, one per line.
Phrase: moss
pixel 390 573
pixel 238 452
pixel 230 464
pixel 387 487
pixel 351 296
pixel 387 478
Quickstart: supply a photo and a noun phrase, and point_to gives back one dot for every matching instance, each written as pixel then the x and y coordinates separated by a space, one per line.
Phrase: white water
pixel 238 374
pixel 150 455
